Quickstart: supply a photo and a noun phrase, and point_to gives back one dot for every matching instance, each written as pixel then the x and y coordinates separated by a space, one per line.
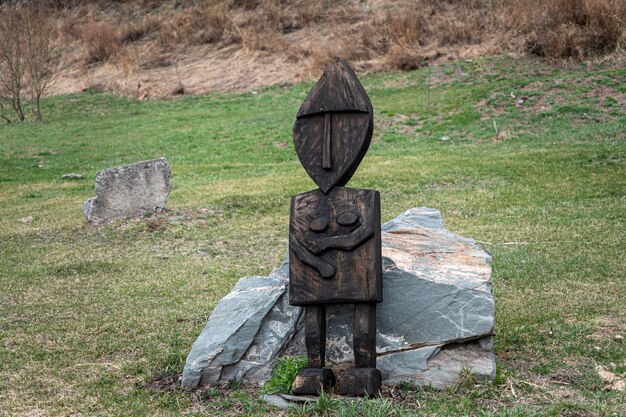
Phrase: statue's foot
pixel 359 381
pixel 311 381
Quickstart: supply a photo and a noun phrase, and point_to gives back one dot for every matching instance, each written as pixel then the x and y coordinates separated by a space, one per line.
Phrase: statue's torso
pixel 345 217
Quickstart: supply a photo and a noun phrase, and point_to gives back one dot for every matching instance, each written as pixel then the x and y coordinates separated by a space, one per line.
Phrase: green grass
pixel 98 321
pixel 283 374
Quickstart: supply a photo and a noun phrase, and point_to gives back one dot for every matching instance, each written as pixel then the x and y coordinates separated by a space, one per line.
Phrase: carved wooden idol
pixel 334 231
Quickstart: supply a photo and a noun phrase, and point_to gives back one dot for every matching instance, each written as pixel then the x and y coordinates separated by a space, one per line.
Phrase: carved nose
pixel 328 128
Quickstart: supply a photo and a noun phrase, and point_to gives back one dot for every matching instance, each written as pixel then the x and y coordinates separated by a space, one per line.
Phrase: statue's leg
pixel 365 335
pixel 315 335
pixel 314 378
pixel 364 379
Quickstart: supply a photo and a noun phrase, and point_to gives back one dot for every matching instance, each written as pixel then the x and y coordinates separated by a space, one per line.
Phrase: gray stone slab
pixel 442 368
pixel 129 191
pixel 423 217
pixel 244 334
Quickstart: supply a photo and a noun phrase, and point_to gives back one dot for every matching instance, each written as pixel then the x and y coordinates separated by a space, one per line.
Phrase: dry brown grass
pixel 69 27
pixel 100 41
pixel 569 28
pixel 144 27
pixel 202 23
pixel 379 35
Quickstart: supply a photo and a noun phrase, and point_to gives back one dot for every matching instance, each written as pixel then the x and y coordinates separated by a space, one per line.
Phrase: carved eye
pixel 347 219
pixel 318 224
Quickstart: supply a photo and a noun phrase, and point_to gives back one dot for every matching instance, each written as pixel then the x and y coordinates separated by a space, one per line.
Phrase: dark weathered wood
pixel 341 262
pixel 359 381
pixel 311 381
pixel 334 127
pixel 315 335
pixel 338 90
pixel 364 338
pixel 328 126
pixel 334 232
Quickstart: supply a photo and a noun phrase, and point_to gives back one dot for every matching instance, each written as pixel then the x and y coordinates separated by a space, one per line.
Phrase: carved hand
pixel 325 269
pixel 346 242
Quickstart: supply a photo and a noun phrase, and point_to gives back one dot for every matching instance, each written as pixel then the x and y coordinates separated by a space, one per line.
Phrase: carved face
pixel 334 127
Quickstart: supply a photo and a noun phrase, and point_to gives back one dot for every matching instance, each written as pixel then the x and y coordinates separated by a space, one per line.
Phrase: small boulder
pixel 129 191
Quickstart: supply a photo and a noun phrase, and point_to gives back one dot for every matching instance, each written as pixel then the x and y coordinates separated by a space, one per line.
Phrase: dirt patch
pixel 163 383
pixel 200 70
pixel 537 97
pixel 609 328
pixel 401 124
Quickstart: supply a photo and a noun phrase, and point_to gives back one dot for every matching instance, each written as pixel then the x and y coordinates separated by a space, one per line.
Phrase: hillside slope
pixel 148 48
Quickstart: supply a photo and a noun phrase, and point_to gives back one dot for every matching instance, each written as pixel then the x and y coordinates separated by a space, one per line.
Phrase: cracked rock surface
pixel 436 319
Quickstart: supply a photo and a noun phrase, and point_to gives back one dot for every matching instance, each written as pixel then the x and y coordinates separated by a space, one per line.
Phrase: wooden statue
pixel 334 231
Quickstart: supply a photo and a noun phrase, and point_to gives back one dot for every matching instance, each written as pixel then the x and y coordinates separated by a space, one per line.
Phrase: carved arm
pixel 325 269
pixel 346 242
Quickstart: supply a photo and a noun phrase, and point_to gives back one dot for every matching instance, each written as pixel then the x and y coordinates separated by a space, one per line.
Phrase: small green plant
pixel 466 378
pixel 379 407
pixel 500 376
pixel 326 404
pixel 234 384
pixel 284 374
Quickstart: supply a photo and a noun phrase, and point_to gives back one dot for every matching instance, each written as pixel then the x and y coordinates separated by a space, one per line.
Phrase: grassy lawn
pixel 98 321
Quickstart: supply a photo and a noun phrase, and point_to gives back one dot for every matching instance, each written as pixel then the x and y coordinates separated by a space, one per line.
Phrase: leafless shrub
pixel 217 25
pixel 100 41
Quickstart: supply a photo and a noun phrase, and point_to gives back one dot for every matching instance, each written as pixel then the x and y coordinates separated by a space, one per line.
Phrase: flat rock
pixel 437 316
pixel 71 176
pixel 277 401
pixel 129 191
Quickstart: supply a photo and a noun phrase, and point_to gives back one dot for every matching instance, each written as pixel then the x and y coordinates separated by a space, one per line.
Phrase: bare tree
pixel 2 115
pixel 27 55
pixel 12 65
pixel 40 54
